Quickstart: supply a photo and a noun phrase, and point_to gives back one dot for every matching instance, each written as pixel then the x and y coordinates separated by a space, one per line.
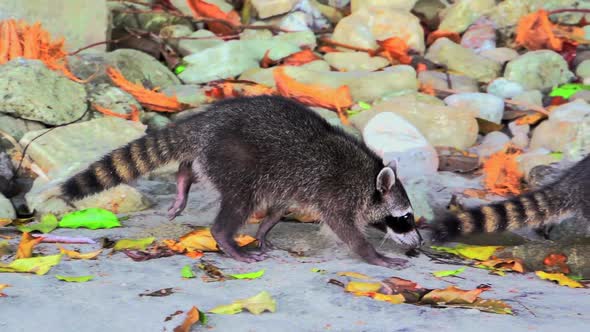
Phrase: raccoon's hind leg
pixel 184 179
pixel 271 219
pixel 230 218
pixel 348 232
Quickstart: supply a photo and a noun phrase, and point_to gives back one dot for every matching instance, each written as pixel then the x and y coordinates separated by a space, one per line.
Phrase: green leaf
pixel 179 69
pixel 568 90
pixel 48 223
pixel 38 265
pixel 575 277
pixel 93 218
pixel 187 272
pixel 365 106
pixel 448 273
pixel 133 244
pixel 228 309
pixel 203 318
pixel 75 279
pixel 557 155
pixel 320 271
pixel 251 275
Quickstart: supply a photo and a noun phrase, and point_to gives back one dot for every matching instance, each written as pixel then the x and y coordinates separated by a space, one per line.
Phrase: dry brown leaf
pixel 300 58
pixel 25 247
pixel 451 295
pixel 395 48
pixel 504 264
pixel 77 255
pixel 202 240
pixel 433 36
pixel 192 317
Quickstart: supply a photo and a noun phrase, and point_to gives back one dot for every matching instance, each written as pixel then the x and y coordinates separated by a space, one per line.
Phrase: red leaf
pixel 204 9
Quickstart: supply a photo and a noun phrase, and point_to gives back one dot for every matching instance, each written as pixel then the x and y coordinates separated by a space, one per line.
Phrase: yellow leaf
pixel 561 279
pixel 133 244
pixel 37 265
pixel 202 240
pixel 5 222
pixel 76 255
pixel 25 247
pixel 2 286
pixel 480 253
pixel 355 275
pixel 362 287
pixel 256 304
pixel 393 298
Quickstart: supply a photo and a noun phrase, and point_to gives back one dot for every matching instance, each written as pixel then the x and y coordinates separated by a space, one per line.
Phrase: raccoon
pixel 267 153
pixel 566 197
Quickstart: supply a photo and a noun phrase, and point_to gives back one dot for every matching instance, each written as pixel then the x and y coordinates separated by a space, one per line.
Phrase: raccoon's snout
pixel 403 230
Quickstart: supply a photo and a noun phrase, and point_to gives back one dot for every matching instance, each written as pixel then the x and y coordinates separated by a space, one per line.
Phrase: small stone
pixel 268 8
pixel 190 94
pixel 136 66
pixel 567 130
pixel 406 5
pixel 463 60
pixel 501 54
pixel 487 106
pixel 520 134
pixel 190 46
pixel 16 127
pixel 532 97
pixel 480 36
pixel 29 90
pixel 265 75
pixel 367 25
pixel 491 143
pixel 541 70
pixel 583 95
pixel 6 208
pixel 256 34
pixel 393 138
pixel 441 125
pixel 154 120
pixel 583 69
pixel 353 61
pixel 296 21
pixel 438 80
pixel 504 88
pixel 175 31
pixel 459 16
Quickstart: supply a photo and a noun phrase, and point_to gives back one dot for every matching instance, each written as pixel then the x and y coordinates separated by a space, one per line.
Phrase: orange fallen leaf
pixel 452 295
pixel 226 22
pixel 481 194
pixel 501 173
pixel 148 98
pixel 557 263
pixel 314 94
pixel 531 119
pixel 192 317
pixel 134 115
pixel 19 39
pixel 535 32
pixel 300 58
pixel 395 48
pixel 230 89
pixel 427 89
pixel 327 49
pixel 421 67
pixel 434 35
pixel 504 264
pixel 266 60
pixel 25 247
pixel 202 240
pixel 77 255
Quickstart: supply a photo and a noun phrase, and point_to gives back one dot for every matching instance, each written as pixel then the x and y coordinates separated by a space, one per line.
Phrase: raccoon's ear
pixel 385 180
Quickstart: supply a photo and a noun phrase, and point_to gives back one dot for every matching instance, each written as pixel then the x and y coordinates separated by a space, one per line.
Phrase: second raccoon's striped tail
pixel 534 210
pixel 126 163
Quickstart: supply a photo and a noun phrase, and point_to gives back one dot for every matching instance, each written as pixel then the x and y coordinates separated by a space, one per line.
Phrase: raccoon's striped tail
pixel 126 163
pixel 534 209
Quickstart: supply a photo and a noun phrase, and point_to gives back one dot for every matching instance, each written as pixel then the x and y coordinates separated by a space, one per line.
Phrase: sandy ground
pixel 305 301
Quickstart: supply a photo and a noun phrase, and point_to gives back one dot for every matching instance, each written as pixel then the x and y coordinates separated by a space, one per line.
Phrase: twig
pixel 109 41
pixel 507 101
pixel 137 2
pixel 524 306
pixel 570 10
pixel 350 47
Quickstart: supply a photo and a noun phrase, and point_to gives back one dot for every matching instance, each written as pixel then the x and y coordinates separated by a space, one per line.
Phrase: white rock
pixel 583 69
pixel 500 54
pixel 567 130
pixel 520 134
pixel 504 88
pixel 296 21
pixel 532 97
pixel 190 46
pixel 395 139
pixel 491 143
pixel 463 13
pixel 351 61
pixel 6 208
pixel 268 8
pixel 438 80
pixel 367 25
pixel 407 5
pixel 541 70
pixel 487 106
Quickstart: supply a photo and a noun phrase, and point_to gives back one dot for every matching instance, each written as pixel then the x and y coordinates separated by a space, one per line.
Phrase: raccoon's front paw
pixel 250 257
pixel 389 262
pixel 265 245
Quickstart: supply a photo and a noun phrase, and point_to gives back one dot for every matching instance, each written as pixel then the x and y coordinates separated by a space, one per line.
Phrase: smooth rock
pixel 80 23
pixel 463 13
pixel 504 88
pixel 532 97
pixel 463 60
pixel 367 25
pixel 541 70
pixel 395 139
pixel 190 46
pixel 583 69
pixel 364 86
pixel 487 106
pixel 234 57
pixel 491 143
pixel 136 66
pixel 334 120
pixel 16 127
pixel 69 149
pixel 480 36
pixel 296 21
pixel 268 8
pixel 406 5
pixel 441 125
pixel 112 98
pixel 29 90
pixel 256 34
pixel 6 208
pixel 520 134
pixel 355 61
pixel 533 158
pixel 583 95
pixel 438 80
pixel 567 130
pixel 190 94
pixel 154 120
pixel 501 54
pixel 507 13
pixel 265 75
